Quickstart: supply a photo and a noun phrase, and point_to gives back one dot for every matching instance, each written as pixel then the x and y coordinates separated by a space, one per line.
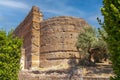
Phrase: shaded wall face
pixel 24 32
pixel 58 39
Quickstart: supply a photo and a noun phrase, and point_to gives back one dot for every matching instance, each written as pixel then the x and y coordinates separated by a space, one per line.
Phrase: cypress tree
pixel 111 24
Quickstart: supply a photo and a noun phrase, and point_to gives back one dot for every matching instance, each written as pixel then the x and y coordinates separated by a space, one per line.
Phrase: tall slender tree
pixel 111 24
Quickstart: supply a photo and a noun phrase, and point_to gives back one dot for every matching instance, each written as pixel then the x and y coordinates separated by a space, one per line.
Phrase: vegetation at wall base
pixel 111 24
pixel 10 53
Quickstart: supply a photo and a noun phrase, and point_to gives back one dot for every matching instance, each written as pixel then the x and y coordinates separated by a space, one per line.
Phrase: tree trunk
pixel 90 55
pixel 89 51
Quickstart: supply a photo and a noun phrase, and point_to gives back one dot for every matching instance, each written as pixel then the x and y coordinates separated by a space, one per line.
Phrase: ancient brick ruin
pixel 48 42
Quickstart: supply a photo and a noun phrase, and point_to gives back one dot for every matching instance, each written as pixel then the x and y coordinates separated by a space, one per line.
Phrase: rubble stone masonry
pixel 49 42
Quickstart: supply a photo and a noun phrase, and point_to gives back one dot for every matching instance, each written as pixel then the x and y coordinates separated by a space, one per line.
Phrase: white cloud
pixel 68 11
pixel 57 8
pixel 13 4
pixel 93 18
pixel 10 9
pixel 60 8
pixel 2 18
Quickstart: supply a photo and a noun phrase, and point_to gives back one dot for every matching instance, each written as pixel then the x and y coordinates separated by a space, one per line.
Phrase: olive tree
pixel 91 43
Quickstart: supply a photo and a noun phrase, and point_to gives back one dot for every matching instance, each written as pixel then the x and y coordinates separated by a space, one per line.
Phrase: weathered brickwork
pixel 58 39
pixel 29 31
pixel 49 42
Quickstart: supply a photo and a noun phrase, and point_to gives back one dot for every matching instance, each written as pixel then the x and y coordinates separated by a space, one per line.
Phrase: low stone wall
pixel 31 75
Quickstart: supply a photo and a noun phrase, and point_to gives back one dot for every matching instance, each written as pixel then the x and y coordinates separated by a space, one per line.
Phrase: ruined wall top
pixel 63 20
pixel 35 12
pixel 35 9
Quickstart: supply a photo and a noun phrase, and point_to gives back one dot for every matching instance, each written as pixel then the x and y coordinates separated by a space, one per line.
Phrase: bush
pixel 10 52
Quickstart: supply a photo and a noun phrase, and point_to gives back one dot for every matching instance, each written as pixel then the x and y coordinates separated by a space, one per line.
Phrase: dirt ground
pixel 101 71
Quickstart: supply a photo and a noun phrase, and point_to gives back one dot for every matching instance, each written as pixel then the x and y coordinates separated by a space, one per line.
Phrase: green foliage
pixel 111 24
pixel 91 43
pixel 87 38
pixel 10 49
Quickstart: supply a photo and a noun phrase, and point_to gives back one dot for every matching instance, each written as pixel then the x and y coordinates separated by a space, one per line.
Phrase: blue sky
pixel 12 12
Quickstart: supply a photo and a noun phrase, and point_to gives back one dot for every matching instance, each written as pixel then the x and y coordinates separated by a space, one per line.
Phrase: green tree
pixel 111 24
pixel 91 44
pixel 10 49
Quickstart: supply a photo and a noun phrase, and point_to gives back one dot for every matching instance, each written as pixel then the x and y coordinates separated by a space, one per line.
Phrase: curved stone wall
pixel 49 42
pixel 57 39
